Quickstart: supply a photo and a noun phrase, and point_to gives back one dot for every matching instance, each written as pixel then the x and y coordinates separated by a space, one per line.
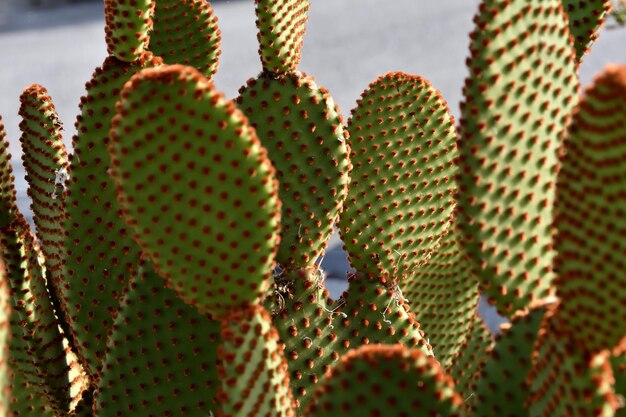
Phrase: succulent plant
pixel 175 268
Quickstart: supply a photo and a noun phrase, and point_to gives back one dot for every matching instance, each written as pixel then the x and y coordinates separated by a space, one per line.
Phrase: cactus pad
pixel 100 252
pixel 253 371
pixel 303 132
pixel 8 205
pixel 281 25
pixel 591 219
pixel 501 388
pixel 196 187
pixel 444 294
pixel 585 20
pixel 186 32
pixel 372 380
pixel 618 362
pixel 161 354
pixel 128 23
pixel 518 98
pixel 401 196
pixel 566 381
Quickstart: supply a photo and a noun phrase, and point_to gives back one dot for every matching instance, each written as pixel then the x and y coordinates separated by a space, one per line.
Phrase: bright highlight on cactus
pixel 176 266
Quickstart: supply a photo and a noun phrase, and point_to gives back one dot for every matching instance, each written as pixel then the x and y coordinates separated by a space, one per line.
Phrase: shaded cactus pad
pixel 196 187
pixel 301 127
pixel 401 196
pixel 373 380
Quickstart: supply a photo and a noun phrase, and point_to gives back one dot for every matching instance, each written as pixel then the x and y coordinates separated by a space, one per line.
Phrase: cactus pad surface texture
pixel 175 267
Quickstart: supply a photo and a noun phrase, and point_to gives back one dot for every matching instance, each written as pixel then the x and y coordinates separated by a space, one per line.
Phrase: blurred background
pixel 59 43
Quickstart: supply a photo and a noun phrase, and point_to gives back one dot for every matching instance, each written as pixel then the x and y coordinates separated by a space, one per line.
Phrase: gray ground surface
pixel 348 44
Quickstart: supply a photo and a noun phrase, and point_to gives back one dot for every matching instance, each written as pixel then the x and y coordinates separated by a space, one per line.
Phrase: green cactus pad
pixel 444 295
pixel 305 319
pixel 301 127
pixel 5 338
pixel 465 369
pixel 8 205
pixel 403 152
pixel 374 380
pixel 161 355
pixel 100 252
pixel 128 23
pixel 196 187
pixel 566 381
pixel 591 221
pixel 33 308
pixel 26 400
pixel 518 98
pixel 281 25
pixel 501 389
pixel 253 370
pixel 186 32
pixel 585 20
pixel 46 164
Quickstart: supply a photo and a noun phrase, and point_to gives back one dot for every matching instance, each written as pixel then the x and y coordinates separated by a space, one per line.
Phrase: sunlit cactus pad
pixel 253 370
pixel 372 380
pixel 585 20
pixel 127 25
pixel 186 32
pixel 161 356
pixel 444 295
pixel 591 218
pixel 518 97
pixel 196 187
pixel 301 127
pixel 401 196
pixel 281 25
pixel 99 249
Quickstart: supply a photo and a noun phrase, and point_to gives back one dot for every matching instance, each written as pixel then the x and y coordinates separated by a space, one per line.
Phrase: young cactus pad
pixel 196 187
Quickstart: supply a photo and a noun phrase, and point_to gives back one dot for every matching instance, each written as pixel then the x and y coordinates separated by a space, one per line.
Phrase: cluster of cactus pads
pixel 175 269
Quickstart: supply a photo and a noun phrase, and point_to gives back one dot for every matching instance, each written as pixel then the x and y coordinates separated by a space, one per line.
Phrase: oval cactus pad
pixel 281 26
pixel 196 188
pixel 402 191
pixel 303 132
pixel 127 25
pixel 591 217
pixel 518 98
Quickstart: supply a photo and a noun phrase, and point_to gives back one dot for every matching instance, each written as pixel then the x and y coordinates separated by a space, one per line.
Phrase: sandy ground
pixel 348 44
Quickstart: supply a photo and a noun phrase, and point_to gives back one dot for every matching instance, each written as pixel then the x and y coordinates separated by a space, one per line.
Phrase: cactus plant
pixel 175 267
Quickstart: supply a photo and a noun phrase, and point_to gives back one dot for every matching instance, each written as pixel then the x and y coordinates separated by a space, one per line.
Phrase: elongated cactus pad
pixel 444 295
pixel 186 32
pixel 5 338
pixel 281 25
pixel 501 389
pixel 585 20
pixel 128 23
pixel 372 380
pixel 567 381
pixel 100 251
pixel 591 218
pixel 253 370
pixel 161 355
pixel 46 164
pixel 465 369
pixel 402 189
pixel 8 205
pixel 301 127
pixel 518 98
pixel 196 187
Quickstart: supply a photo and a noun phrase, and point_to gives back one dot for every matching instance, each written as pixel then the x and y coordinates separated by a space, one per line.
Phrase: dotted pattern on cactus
pixel 585 20
pixel 518 99
pixel 404 380
pixel 591 218
pixel 186 32
pixel 208 213
pixel 281 25
pixel 303 132
pixel 401 195
pixel 128 23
